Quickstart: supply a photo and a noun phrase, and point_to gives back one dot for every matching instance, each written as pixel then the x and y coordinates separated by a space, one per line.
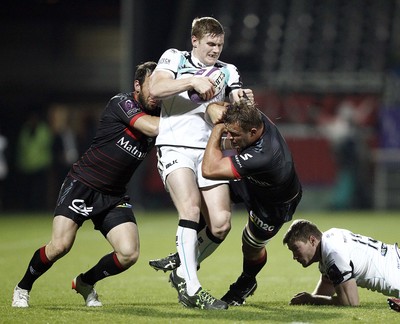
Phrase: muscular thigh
pixel 62 237
pixel 185 194
pixel 124 238
pixel 216 206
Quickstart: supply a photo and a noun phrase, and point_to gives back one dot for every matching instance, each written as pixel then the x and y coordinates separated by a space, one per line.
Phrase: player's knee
pixel 222 230
pixel 57 249
pixel 128 259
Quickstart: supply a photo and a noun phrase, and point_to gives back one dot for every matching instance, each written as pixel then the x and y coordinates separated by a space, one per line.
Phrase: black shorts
pixel 265 218
pixel 80 203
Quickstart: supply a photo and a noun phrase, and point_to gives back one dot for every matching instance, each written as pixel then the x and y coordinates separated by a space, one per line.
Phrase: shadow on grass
pixel 271 312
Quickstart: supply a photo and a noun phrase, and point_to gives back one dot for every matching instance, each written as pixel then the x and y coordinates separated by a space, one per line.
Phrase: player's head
pixel 207 39
pixel 243 123
pixel 141 85
pixel 303 239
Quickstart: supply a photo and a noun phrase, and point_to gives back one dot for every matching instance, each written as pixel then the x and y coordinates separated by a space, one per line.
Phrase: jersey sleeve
pixel 169 61
pixel 336 263
pixel 234 81
pixel 249 162
pixel 128 110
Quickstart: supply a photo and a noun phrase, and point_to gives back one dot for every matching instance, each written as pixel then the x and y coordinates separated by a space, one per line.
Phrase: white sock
pixel 205 246
pixel 186 243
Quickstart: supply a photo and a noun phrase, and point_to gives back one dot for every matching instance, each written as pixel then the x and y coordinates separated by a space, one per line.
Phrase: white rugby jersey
pixel 373 264
pixel 182 121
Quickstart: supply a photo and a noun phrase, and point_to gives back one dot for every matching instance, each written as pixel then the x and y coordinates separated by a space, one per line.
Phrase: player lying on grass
pixel 346 261
pixel 262 176
pixel 95 189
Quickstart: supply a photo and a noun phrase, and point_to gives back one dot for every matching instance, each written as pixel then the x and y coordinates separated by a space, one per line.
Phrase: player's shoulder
pixel 224 65
pixel 334 238
pixel 120 97
pixel 174 52
pixel 125 102
pixel 331 234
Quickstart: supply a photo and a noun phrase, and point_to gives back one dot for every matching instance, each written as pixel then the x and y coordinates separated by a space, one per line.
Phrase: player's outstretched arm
pixel 147 125
pixel 324 294
pixel 305 298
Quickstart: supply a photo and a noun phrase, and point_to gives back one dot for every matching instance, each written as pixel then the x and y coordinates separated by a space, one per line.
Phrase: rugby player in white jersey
pixel 183 136
pixel 346 261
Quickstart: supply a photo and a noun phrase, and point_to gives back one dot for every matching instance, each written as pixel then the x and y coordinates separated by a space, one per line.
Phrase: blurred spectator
pixel 87 132
pixel 3 167
pixel 34 158
pixel 64 147
pixel 350 149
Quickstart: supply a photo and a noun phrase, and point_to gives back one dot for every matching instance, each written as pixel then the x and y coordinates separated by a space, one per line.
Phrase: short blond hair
pixel 202 26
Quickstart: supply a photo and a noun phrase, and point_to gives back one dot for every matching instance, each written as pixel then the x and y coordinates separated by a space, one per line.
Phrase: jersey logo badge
pixel 79 207
pixel 129 107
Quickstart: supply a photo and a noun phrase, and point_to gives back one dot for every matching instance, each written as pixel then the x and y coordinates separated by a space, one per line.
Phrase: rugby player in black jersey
pixel 95 189
pixel 262 176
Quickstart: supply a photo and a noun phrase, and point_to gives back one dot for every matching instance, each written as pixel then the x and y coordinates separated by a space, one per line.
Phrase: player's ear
pixel 136 86
pixel 313 240
pixel 194 41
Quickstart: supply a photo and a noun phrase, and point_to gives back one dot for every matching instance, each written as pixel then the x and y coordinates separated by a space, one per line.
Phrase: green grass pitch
pixel 142 295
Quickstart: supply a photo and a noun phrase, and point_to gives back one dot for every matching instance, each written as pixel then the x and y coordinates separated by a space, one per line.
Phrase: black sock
pixel 253 267
pixel 107 266
pixel 38 265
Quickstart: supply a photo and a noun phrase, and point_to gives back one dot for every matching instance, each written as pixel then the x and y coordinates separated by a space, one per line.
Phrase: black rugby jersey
pixel 117 148
pixel 267 167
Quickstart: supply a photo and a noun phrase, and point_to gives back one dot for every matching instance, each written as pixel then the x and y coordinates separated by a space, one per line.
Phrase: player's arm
pixel 147 125
pixel 164 85
pixel 215 164
pixel 324 287
pixel 347 293
pixel 215 112
pixel 324 294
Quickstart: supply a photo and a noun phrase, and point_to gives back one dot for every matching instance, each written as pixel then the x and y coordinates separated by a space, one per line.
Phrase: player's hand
pixel 204 86
pixel 240 94
pixel 301 299
pixel 215 112
pixel 248 93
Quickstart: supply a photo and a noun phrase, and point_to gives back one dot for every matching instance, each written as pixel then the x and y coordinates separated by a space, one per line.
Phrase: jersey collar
pixel 196 62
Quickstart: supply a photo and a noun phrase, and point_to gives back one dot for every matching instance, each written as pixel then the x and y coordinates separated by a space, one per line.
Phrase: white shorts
pixel 171 158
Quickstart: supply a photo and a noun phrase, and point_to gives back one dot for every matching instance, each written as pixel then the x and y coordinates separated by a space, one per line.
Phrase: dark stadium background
pixel 304 59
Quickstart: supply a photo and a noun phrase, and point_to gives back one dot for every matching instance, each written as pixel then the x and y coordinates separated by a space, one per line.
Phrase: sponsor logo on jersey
pixel 171 164
pixel 260 223
pixel 238 161
pixel 129 107
pixel 79 207
pixel 131 149
pixel 246 156
pixel 164 60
